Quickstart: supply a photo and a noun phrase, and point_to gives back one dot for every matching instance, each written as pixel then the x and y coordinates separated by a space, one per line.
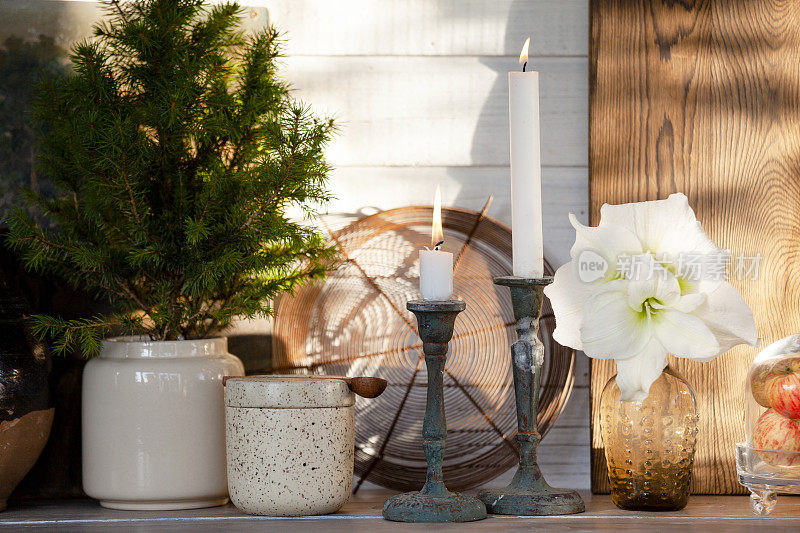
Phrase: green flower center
pixel 650 306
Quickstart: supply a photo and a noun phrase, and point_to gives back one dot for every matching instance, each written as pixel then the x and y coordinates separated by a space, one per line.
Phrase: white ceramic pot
pixel 290 443
pixel 154 423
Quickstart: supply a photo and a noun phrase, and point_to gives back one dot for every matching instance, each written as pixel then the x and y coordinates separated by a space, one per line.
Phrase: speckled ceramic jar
pixel 290 442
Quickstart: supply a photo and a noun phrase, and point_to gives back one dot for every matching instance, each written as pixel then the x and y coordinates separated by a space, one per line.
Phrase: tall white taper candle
pixel 526 172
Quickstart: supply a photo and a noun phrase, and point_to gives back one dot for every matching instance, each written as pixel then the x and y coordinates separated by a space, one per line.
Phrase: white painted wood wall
pixel 420 90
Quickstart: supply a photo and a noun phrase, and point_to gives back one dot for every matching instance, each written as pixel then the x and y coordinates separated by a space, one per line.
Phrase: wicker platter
pixel 356 323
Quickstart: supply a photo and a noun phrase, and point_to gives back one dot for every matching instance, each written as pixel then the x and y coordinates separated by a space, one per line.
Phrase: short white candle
pixel 435 265
pixel 526 172
pixel 435 274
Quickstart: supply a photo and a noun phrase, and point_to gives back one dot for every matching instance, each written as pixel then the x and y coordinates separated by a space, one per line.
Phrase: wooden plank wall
pixel 420 89
pixel 704 97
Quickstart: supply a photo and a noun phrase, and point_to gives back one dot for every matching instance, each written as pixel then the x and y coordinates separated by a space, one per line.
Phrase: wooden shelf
pixel 363 513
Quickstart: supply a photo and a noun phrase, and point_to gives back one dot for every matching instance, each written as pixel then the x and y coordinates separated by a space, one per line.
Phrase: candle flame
pixel 523 55
pixel 437 235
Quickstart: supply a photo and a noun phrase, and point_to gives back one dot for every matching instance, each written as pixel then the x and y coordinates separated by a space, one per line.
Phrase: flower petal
pixel 639 291
pixel 567 296
pixel 684 335
pixel 664 227
pixel 662 285
pixel 610 328
pixel 608 241
pixel 689 302
pixel 668 290
pixel 727 315
pixel 636 374
pixel 650 221
pixel 691 238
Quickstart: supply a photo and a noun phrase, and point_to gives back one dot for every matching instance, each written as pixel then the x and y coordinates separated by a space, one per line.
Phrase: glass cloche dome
pixel 769 461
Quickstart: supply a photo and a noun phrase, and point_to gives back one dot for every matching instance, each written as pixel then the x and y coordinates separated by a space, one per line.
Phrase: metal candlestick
pixel 528 493
pixel 434 503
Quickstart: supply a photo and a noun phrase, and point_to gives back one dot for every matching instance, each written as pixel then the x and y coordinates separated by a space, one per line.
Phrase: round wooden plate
pixel 356 324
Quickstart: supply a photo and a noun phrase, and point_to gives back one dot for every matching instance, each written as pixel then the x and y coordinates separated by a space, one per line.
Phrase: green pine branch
pixel 175 148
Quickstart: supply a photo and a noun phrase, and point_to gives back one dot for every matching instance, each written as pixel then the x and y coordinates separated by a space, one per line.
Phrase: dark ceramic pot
pixel 26 413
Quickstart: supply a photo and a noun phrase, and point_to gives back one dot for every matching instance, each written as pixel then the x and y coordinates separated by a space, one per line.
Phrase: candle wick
pixel 524 65
pixel 437 245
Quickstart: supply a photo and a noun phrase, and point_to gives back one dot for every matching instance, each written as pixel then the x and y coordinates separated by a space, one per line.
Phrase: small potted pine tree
pixel 175 151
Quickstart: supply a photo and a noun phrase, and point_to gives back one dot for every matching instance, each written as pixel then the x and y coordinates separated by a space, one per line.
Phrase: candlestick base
pixel 421 507
pixel 528 493
pixel 434 503
pixel 531 499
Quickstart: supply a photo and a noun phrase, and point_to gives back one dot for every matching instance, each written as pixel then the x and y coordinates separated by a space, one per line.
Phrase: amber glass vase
pixel 650 444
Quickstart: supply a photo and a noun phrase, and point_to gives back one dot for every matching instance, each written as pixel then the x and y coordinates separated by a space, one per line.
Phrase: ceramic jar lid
pixel 287 392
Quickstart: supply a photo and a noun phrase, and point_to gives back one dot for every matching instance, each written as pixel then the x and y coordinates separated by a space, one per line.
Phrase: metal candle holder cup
pixel 528 493
pixel 434 503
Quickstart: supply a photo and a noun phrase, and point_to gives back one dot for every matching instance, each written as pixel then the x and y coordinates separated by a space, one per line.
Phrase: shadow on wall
pixel 491 135
pixel 22 64
pixel 252 341
pixel 35 37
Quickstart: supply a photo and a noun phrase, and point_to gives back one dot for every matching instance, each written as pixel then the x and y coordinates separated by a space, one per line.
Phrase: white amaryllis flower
pixel 670 305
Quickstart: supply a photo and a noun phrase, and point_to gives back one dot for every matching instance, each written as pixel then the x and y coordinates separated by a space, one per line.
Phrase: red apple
pixel 777 432
pixel 776 383
pixel 759 383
